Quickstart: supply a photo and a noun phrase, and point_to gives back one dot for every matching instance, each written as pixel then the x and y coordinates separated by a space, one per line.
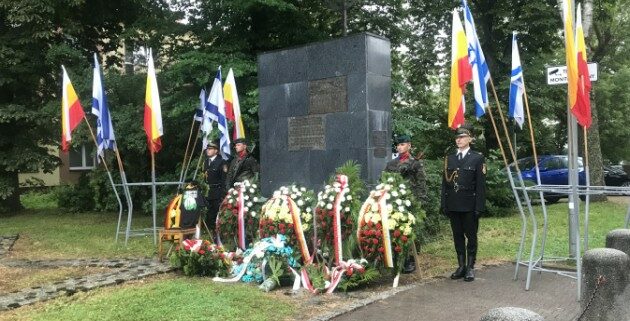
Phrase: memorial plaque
pixel 306 133
pixel 380 152
pixel 328 95
pixel 379 138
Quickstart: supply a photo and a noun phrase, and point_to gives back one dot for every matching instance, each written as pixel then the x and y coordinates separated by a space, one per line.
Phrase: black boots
pixel 410 265
pixel 461 270
pixel 470 269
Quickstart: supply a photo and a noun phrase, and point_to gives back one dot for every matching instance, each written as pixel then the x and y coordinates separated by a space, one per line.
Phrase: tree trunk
pixel 11 204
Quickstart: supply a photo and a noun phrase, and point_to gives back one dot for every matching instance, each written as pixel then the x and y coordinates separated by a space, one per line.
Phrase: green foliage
pixel 76 198
pixel 210 260
pixel 499 197
pixel 39 199
pixel 358 280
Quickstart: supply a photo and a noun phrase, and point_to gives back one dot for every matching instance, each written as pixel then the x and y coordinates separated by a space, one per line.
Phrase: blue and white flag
pixel 517 86
pixel 202 103
pixel 215 108
pixel 105 138
pixel 480 71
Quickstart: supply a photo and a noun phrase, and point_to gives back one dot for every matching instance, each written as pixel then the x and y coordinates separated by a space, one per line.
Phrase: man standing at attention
pixel 412 171
pixel 463 200
pixel 243 166
pixel 215 169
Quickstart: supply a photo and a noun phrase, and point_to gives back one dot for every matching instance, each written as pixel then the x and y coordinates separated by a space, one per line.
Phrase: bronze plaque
pixel 380 152
pixel 379 138
pixel 328 95
pixel 307 132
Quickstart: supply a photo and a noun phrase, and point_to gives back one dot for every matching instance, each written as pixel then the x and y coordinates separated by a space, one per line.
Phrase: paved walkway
pixel 551 296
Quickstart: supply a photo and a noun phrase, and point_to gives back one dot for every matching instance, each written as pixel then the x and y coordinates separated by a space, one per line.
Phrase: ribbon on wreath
pixel 387 241
pixel 337 243
pixel 340 270
pixel 294 210
pixel 241 217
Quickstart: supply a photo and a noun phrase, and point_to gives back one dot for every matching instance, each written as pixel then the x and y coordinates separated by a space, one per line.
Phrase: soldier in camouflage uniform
pixel 411 170
pixel 243 166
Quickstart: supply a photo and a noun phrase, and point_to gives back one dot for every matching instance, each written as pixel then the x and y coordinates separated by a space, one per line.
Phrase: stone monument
pixel 321 105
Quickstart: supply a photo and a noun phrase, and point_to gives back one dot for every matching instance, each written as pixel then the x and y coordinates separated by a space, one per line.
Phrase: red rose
pixel 381 249
pixel 398 249
pixel 349 221
pixel 323 224
pixel 349 272
pixel 396 233
pixel 202 252
pixel 290 225
pixel 370 224
pixel 281 226
pixel 271 227
pixel 378 233
pixel 379 226
pixel 375 241
pixel 404 238
pixel 282 231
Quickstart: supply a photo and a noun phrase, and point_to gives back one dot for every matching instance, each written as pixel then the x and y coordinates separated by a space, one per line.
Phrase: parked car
pixel 554 170
pixel 615 176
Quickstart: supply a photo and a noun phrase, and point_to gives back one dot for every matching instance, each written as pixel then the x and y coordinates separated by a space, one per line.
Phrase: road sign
pixel 558 75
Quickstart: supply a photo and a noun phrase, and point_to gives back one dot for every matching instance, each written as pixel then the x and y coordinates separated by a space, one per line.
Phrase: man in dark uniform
pixel 411 170
pixel 215 170
pixel 243 166
pixel 463 200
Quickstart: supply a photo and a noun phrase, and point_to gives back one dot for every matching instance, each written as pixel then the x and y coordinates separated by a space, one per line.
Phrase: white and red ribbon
pixel 241 217
pixel 337 243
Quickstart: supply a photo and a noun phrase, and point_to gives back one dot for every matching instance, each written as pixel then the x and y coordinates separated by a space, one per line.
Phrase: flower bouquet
pixel 237 221
pixel 335 222
pixel 288 213
pixel 202 258
pixel 386 223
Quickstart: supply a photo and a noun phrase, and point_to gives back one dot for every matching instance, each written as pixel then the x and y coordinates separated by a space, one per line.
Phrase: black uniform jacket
pixel 464 183
pixel 215 177
pixel 241 169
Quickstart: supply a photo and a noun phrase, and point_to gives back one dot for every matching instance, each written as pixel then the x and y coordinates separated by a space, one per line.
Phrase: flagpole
pixel 153 194
pixel 181 174
pixel 109 174
pixel 543 241
pixel 123 177
pixel 192 152
pixel 588 188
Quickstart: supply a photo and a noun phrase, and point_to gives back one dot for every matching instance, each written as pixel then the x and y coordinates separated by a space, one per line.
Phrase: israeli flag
pixel 480 71
pixel 202 103
pixel 517 86
pixel 215 108
pixel 105 138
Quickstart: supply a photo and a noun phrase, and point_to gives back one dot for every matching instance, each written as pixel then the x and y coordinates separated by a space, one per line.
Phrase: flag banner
pixel 152 109
pixel 461 73
pixel 215 108
pixel 480 71
pixel 202 106
pixel 517 86
pixel 232 105
pixel 582 108
pixel 71 111
pixel 571 54
pixel 105 138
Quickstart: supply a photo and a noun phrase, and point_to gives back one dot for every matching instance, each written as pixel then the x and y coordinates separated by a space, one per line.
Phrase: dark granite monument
pixel 321 105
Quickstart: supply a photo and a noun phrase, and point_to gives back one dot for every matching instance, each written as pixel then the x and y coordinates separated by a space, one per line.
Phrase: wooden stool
pixel 175 235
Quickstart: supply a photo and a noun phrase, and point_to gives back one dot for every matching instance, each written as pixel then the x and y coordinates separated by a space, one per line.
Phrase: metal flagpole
pixel 522 183
pixel 181 174
pixel 538 181
pixel 109 174
pixel 153 195
pixel 123 178
pixel 198 163
pixel 192 152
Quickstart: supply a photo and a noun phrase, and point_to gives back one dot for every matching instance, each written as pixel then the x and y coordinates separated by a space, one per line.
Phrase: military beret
pixel 240 141
pixel 403 139
pixel 463 131
pixel 212 145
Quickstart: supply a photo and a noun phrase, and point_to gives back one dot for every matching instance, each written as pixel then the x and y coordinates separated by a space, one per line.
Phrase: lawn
pixel 52 233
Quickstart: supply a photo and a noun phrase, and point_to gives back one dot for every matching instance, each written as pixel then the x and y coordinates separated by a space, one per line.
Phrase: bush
pixel 76 198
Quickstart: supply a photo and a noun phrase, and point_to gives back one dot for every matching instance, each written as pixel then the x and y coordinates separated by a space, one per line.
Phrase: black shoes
pixel 410 265
pixel 470 274
pixel 461 270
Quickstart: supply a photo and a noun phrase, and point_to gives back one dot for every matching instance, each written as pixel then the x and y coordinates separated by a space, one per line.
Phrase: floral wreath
pixel 237 220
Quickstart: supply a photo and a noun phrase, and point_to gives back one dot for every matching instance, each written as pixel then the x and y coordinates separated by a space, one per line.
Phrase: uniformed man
pixel 463 200
pixel 411 170
pixel 243 166
pixel 215 170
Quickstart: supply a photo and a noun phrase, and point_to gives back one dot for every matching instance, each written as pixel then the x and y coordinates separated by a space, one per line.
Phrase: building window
pixel 82 158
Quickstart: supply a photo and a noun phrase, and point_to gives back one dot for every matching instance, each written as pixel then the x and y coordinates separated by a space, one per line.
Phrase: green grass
pixel 53 233
pixel 165 299
pixel 39 200
pixel 499 237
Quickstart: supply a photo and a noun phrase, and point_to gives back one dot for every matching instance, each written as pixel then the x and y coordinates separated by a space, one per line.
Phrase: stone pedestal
pixel 605 285
pixel 619 240
pixel 321 105
pixel 511 314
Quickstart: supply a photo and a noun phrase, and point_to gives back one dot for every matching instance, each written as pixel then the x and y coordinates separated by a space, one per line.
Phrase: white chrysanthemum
pixel 336 184
pixel 407 230
pixel 276 194
pixel 308 209
pixel 376 218
pixel 308 217
pixel 390 179
pixel 389 207
pixel 251 190
pixel 379 186
pixel 398 202
pixel 252 213
pixel 401 208
pixel 255 199
pixel 395 194
pixel 411 218
pixel 331 198
pixel 292 196
pixel 254 186
pixel 305 226
pixel 347 209
pixel 245 197
pixel 245 209
pixel 349 197
pixel 329 206
pixel 300 203
pixel 249 204
pixel 402 186
pixel 234 192
pixel 403 192
pixel 303 189
pixel 321 204
pixel 407 203
pixel 388 196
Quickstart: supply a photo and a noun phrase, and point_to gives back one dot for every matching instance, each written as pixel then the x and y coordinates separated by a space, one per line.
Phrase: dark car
pixel 554 170
pixel 615 176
